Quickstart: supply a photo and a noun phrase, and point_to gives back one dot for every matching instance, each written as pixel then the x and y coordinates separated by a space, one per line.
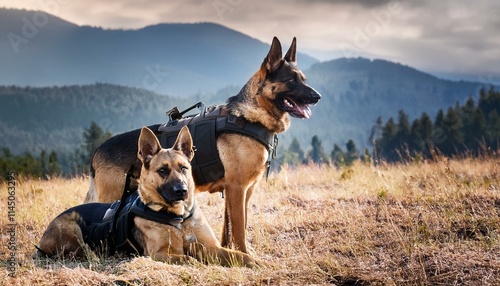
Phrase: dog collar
pixel 139 209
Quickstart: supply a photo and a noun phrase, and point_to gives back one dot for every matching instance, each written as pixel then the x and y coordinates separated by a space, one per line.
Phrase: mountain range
pixel 57 77
pixel 39 49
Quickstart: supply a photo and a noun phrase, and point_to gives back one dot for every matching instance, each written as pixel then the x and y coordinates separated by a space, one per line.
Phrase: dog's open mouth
pixel 173 200
pixel 296 110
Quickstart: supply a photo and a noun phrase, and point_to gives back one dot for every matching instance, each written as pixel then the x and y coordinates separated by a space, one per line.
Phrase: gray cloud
pixel 361 3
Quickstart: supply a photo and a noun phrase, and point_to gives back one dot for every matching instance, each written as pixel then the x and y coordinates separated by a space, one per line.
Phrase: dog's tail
pixel 91 196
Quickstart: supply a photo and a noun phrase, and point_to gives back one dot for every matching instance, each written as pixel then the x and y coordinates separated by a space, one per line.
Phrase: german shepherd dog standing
pixel 276 91
pixel 166 188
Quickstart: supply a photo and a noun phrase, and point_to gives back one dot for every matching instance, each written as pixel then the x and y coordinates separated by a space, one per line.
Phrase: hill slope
pixel 54 118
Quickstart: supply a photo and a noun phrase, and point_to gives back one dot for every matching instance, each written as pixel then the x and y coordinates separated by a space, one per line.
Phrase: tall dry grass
pixel 432 223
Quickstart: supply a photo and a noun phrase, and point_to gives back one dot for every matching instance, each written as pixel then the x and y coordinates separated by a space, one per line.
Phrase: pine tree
pixel 352 152
pixel 54 168
pixel 493 130
pixel 387 145
pixel 439 136
pixel 338 156
pixel 295 148
pixel 92 137
pixel 426 133
pixel 416 143
pixel 403 132
pixel 367 157
pixel 454 135
pixel 489 101
pixel 474 127
pixel 491 110
pixel 317 154
pixel 469 108
pixel 44 162
pixel 376 132
pixel 426 125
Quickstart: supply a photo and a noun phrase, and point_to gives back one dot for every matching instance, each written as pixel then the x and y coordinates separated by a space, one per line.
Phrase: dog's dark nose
pixel 316 96
pixel 180 189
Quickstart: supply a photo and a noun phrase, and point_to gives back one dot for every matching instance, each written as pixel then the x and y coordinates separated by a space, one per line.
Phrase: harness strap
pixel 134 207
pixel 115 229
pixel 139 209
pixel 256 131
pixel 205 127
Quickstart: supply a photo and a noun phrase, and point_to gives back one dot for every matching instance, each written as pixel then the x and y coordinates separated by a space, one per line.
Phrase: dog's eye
pixel 163 171
pixel 184 169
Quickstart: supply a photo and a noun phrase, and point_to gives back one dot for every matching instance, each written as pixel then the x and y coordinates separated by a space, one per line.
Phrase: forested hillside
pixel 32 119
pixel 355 92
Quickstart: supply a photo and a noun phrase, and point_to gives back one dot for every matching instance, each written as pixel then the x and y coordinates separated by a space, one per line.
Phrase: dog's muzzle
pixel 312 99
pixel 175 192
pixel 298 105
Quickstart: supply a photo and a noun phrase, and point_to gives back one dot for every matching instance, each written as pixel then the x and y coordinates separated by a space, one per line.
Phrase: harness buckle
pixel 174 114
pixel 236 120
pixel 275 147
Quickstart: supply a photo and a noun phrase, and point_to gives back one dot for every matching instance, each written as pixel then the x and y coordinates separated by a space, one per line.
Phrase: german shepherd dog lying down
pixel 160 220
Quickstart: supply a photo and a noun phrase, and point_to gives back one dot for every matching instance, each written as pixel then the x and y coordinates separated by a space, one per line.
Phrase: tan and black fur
pixel 166 186
pixel 276 91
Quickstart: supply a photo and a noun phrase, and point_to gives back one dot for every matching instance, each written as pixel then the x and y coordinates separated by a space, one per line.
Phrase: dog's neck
pixel 179 209
pixel 253 109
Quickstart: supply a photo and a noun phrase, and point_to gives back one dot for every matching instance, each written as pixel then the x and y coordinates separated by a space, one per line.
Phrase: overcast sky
pixel 455 37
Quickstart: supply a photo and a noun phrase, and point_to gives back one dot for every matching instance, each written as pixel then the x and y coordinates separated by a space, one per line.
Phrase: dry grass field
pixel 434 223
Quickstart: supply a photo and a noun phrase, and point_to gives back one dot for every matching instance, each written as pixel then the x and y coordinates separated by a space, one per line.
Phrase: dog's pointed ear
pixel 148 146
pixel 273 60
pixel 184 143
pixel 291 55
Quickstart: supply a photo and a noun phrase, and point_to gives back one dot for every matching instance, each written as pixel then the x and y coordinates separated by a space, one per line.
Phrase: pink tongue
pixel 304 110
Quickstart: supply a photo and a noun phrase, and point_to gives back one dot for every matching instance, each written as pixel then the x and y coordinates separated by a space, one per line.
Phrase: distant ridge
pixel 39 49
